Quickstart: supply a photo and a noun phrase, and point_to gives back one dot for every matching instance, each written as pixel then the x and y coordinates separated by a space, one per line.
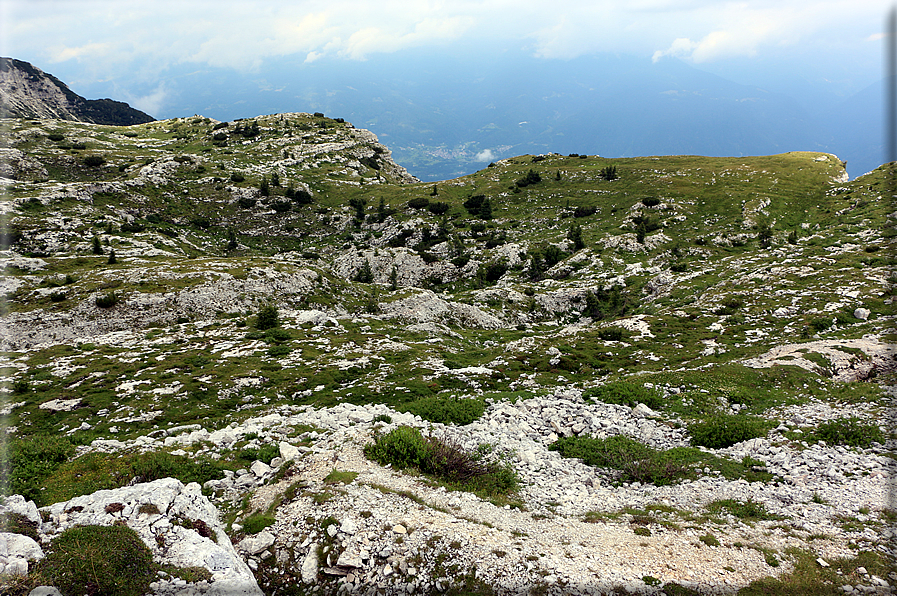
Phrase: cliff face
pixel 28 92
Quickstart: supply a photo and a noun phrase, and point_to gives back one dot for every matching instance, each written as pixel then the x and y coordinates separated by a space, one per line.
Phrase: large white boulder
pixel 178 524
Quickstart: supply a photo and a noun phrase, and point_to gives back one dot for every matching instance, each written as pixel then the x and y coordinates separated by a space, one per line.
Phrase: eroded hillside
pixel 731 316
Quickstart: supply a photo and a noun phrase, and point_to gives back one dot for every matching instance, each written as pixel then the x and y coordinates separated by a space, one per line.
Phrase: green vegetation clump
pixel 849 431
pixel 635 461
pixel 405 447
pixel 625 393
pixel 447 410
pixel 748 510
pixel 267 318
pixel 257 522
pixel 26 463
pixel 100 561
pixel 721 431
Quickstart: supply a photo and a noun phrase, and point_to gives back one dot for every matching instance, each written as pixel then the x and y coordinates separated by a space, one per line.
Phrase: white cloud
pixel 485 155
pixel 152 103
pixel 242 35
pixel 90 50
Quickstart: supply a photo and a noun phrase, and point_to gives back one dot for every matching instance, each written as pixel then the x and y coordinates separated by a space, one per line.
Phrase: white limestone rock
pixel 179 546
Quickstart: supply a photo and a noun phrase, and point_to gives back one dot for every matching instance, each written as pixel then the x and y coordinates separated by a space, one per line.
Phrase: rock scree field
pixel 259 357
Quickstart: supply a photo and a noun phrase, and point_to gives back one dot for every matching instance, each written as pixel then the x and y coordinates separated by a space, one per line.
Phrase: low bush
pixel 730 306
pixel 850 432
pixel 650 201
pixel 99 560
pixel 419 203
pixel 55 136
pixel 635 461
pixel 107 301
pixel 438 207
pixel 625 394
pixel 94 161
pixel 719 432
pixel 447 410
pixel 405 447
pixel 267 318
pixel 749 510
pixel 583 211
pixel 611 334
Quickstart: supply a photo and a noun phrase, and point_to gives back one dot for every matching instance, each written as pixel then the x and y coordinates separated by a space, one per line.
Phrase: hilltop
pixel 677 371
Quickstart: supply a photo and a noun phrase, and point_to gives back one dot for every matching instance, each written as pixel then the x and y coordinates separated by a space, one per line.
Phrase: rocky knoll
pixel 28 92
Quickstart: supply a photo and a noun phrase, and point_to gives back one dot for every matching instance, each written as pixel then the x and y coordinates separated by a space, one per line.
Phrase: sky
pixel 136 43
pixel 238 58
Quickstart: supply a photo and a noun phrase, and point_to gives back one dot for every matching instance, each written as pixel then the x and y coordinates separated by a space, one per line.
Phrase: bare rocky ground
pixel 764 293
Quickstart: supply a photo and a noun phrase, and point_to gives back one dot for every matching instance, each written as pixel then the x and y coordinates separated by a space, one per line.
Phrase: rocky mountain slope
pixel 654 375
pixel 28 92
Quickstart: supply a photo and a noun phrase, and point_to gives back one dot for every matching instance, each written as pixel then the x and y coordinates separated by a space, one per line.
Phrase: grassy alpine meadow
pixel 192 272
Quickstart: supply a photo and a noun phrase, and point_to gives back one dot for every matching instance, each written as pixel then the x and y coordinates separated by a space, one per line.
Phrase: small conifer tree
pixel 365 274
pixel 97 247
pixel 575 236
pixel 112 260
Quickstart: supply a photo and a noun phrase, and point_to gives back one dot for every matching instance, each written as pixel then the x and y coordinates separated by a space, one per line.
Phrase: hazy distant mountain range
pixel 28 92
pixel 448 116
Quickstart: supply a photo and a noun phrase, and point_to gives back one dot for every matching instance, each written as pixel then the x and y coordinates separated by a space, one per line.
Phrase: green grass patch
pixel 625 393
pixel 447 410
pixel 722 431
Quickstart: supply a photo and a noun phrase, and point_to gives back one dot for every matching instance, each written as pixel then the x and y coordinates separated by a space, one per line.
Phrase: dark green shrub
pixel 609 173
pixel 281 206
pixel 303 197
pixel 679 267
pixel 820 324
pixel 364 274
pixel 419 203
pixel 650 201
pixel 55 136
pixel 611 334
pixel 95 246
pixel 485 211
pixel 531 177
pixel 625 393
pixel 474 203
pixel 494 271
pixel 94 161
pixel 730 305
pixel 403 447
pixel 107 301
pixel 447 410
pixel 583 211
pixel 267 318
pixel 58 296
pixel 99 561
pixel 237 177
pixel 644 224
pixel 724 431
pixel 112 260
pixel 601 303
pixel 575 236
pixel 849 431
pixel 438 207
